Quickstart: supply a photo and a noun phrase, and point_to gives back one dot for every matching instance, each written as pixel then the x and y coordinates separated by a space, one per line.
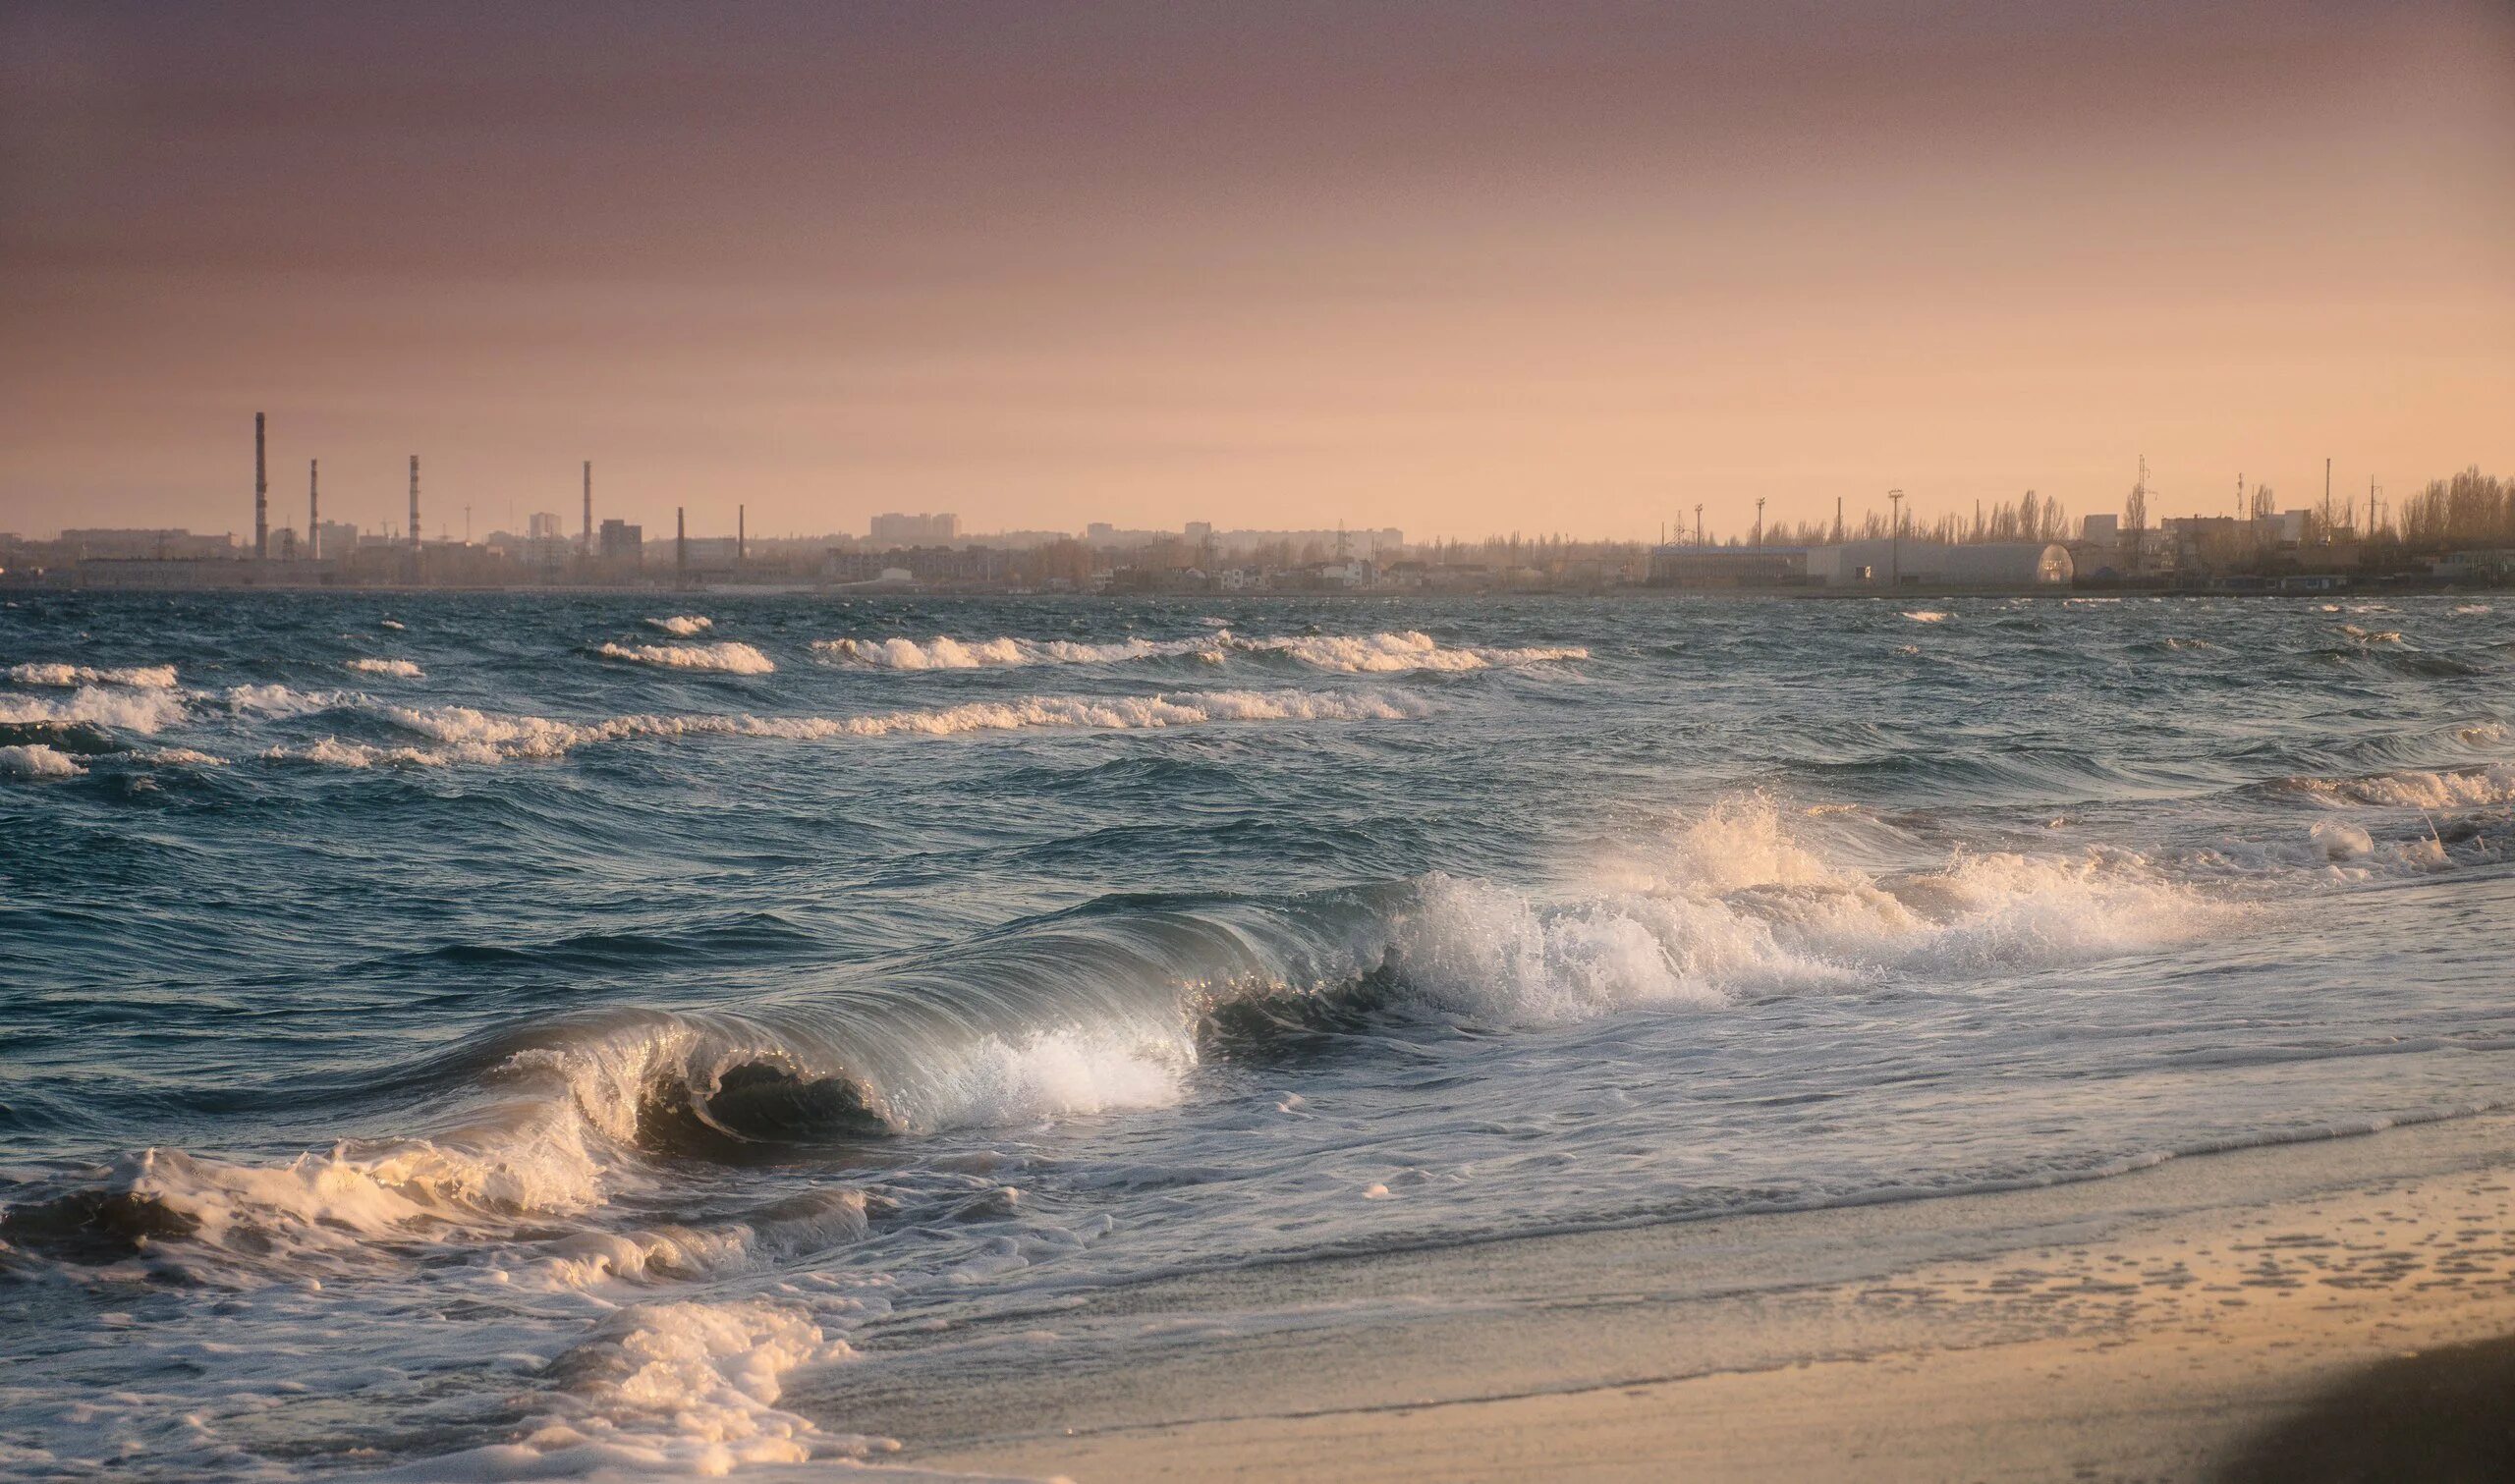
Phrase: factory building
pixel 1931 563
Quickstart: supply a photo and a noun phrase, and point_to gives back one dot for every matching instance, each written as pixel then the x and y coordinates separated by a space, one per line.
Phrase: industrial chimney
pixel 588 541
pixel 261 496
pixel 680 546
pixel 414 504
pixel 314 510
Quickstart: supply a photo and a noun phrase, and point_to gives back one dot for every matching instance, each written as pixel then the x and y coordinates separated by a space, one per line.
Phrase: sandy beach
pixel 2246 1314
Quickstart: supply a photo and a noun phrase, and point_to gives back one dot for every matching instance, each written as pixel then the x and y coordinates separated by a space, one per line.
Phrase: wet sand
pixel 2249 1314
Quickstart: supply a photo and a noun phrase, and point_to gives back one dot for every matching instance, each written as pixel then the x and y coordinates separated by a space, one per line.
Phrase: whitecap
pixel 140 677
pixel 35 760
pixel 727 658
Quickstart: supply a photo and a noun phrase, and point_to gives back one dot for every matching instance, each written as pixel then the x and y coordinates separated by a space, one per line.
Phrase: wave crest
pixel 35 760
pixel 1373 653
pixel 728 657
pixel 137 677
pixel 143 711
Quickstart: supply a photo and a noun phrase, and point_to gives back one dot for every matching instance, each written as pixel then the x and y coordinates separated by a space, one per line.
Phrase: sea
pixel 465 1036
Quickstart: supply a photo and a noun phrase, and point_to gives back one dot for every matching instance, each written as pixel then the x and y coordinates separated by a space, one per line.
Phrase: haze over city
pixel 1457 269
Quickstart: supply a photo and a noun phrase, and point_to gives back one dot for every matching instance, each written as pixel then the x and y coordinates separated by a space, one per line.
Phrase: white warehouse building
pixel 1933 564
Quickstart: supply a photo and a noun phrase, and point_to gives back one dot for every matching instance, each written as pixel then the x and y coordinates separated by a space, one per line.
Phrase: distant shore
pixel 1639 594
pixel 2202 1317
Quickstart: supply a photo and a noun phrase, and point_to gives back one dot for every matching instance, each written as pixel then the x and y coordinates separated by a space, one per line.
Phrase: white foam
pixel 138 677
pixel 1733 903
pixel 2415 789
pixel 182 757
pixel 1375 653
pixel 1383 653
pixel 944 652
pixel 37 761
pixel 2472 608
pixel 679 1388
pixel 824 1219
pixel 464 734
pixel 123 709
pixel 682 625
pixel 390 623
pixel 1927 616
pixel 336 1205
pixel 2365 637
pixel 284 700
pixel 1060 1073
pixel 2339 840
pixel 728 658
pixel 399 669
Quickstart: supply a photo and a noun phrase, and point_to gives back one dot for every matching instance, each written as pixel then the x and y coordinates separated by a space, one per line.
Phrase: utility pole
pixel 1895 538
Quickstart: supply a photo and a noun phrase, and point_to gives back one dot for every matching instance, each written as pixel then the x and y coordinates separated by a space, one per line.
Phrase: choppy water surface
pixel 480 1036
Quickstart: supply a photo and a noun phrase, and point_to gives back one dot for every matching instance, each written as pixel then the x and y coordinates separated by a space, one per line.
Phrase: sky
pixel 1462 269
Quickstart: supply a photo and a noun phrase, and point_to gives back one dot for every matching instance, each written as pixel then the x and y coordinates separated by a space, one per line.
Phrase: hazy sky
pixel 1457 267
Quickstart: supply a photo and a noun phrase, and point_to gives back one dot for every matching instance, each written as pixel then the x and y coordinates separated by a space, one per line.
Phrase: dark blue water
pixel 490 1036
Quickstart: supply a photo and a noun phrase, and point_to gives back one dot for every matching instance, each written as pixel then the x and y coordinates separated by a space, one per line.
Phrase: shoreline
pixel 2157 1323
pixel 1630 593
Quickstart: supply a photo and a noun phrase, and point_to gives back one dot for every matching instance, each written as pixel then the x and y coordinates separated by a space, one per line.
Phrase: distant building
pixel 619 541
pixel 109 543
pixel 1683 566
pixel 895 529
pixel 334 540
pixel 541 526
pixel 1933 563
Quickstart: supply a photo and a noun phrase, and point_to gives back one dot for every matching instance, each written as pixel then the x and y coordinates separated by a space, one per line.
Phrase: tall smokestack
pixel 680 545
pixel 414 504
pixel 314 510
pixel 261 495
pixel 588 541
pixel 741 531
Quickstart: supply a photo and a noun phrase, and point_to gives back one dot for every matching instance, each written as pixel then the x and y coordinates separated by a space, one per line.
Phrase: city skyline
pixel 1149 265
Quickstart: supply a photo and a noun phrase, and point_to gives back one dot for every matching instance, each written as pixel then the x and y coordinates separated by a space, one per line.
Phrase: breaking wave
pixel 2412 789
pixel 728 658
pixel 1375 653
pixel 145 711
pixel 464 734
pixel 682 625
pixel 944 652
pixel 35 760
pixel 1113 1005
pixel 398 669
pixel 143 676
